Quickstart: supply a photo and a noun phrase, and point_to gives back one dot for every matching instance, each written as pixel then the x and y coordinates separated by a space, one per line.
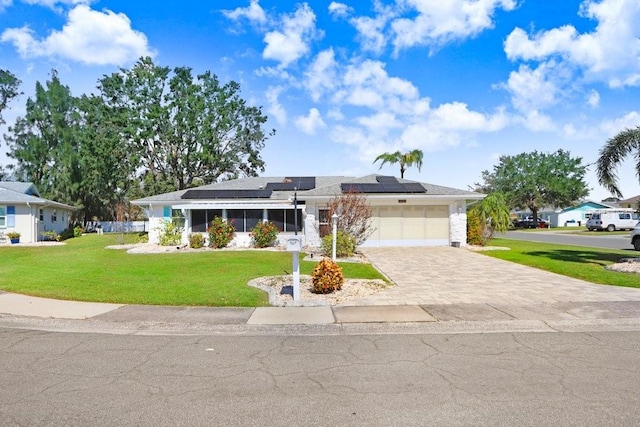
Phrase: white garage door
pixel 410 225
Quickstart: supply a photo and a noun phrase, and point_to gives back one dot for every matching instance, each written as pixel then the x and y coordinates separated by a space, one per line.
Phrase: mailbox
pixel 293 243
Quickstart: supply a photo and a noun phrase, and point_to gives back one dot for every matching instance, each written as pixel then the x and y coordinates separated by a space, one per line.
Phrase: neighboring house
pixel 633 203
pixel 577 216
pixel 23 210
pixel 405 213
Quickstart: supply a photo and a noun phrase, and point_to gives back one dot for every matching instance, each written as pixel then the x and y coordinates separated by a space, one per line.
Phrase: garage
pixel 410 225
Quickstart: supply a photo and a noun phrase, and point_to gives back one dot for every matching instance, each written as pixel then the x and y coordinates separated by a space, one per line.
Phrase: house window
pixel 177 217
pixel 3 217
pixel 324 222
pixel 41 214
pixel 201 219
pixel 54 216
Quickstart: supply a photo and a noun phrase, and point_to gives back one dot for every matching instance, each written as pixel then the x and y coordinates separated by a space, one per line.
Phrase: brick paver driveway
pixel 444 275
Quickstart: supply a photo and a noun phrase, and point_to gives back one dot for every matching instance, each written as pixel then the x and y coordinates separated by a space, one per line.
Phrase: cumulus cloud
pixel 291 41
pixel 609 53
pixel 275 108
pixel 5 4
pixel 593 98
pixel 533 89
pixel 320 76
pixel 311 123
pixel 438 22
pixel 628 121
pixel 89 36
pixel 253 13
pixel 339 10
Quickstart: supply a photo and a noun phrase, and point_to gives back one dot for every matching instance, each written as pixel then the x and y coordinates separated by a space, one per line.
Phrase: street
pixel 536 379
pixel 594 239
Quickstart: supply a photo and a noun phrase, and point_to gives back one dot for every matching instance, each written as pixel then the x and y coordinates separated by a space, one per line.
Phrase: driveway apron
pixel 444 275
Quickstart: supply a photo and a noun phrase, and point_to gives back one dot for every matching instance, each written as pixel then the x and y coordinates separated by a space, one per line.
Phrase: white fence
pixel 120 226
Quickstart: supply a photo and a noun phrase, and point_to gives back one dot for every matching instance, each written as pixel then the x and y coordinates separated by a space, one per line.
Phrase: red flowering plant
pixel 221 233
pixel 264 234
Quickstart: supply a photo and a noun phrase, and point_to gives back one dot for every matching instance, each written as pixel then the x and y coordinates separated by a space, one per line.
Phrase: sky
pixel 341 82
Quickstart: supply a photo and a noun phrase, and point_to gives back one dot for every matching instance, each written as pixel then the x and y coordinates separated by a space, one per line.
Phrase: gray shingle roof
pixel 19 193
pixel 326 186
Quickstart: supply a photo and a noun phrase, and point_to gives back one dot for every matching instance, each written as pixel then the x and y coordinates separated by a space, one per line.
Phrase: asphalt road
pixel 524 379
pixel 594 239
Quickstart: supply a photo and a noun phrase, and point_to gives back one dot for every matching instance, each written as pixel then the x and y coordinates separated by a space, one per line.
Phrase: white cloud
pixel 89 36
pixel 628 121
pixel 311 123
pixel 5 4
pixel 275 108
pixel 593 98
pixel 439 22
pixel 537 122
pixel 321 74
pixel 291 41
pixel 339 10
pixel 609 53
pixel 533 89
pixel 253 13
pixel 371 32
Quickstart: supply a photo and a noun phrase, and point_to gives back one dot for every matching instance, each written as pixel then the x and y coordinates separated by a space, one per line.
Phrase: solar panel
pixel 387 188
pixel 361 188
pixel 413 187
pixel 392 187
pixel 386 179
pixel 226 194
pixel 301 183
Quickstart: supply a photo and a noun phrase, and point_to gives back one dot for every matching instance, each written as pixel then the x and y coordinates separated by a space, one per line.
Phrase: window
pixel 177 217
pixel 54 216
pixel 625 216
pixel 276 216
pixel 201 219
pixel 41 214
pixel 324 226
pixel 3 217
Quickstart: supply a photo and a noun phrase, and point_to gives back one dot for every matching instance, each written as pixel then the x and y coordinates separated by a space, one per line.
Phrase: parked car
pixel 612 220
pixel 635 237
pixel 528 222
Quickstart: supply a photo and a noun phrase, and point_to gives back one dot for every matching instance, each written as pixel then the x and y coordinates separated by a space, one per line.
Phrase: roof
pixel 22 193
pixel 268 188
pixel 631 200
pixel 589 205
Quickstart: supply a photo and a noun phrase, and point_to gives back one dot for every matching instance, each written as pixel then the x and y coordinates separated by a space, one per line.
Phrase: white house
pixel 405 213
pixel 22 210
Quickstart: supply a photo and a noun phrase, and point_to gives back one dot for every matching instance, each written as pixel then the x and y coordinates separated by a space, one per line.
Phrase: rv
pixel 612 219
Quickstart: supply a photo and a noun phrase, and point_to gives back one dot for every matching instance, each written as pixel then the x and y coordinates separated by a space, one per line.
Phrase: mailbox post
pixel 294 245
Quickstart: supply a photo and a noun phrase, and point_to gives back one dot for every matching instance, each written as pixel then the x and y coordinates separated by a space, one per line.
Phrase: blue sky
pixel 341 82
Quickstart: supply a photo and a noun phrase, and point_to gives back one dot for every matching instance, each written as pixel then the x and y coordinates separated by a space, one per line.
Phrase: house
pixel 576 216
pixel 632 202
pixel 22 210
pixel 405 213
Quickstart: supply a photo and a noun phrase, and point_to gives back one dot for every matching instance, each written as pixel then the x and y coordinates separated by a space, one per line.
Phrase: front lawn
pixel 83 270
pixel 573 261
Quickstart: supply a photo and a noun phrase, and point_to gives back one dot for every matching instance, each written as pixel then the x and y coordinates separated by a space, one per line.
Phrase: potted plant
pixel 14 236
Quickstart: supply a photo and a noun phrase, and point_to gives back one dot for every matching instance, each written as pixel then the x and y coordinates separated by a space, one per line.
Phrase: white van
pixel 612 220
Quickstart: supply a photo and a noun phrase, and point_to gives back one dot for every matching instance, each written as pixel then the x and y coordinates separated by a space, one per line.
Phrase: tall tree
pixel 185 130
pixel 405 160
pixel 613 153
pixel 492 215
pixel 533 180
pixel 9 85
pixel 44 142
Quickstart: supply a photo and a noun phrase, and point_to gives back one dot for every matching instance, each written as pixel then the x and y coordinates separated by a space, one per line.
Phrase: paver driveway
pixel 444 275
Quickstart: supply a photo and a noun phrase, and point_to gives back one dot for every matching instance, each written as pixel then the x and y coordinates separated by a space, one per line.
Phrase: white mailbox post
pixel 294 245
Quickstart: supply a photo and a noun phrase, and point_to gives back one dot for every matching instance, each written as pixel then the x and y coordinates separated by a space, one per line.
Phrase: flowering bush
pixel 264 234
pixel 170 234
pixel 221 233
pixel 326 277
pixel 196 240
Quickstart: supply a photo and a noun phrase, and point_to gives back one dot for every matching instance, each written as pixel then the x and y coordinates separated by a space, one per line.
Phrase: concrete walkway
pixel 433 285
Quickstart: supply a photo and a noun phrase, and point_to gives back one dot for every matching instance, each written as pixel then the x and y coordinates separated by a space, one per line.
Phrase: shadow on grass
pixel 580 256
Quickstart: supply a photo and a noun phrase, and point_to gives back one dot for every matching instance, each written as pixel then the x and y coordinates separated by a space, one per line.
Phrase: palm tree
pixel 612 154
pixel 405 159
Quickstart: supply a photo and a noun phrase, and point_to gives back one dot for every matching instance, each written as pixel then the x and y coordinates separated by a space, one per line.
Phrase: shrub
pixel 345 245
pixel 67 233
pixel 264 234
pixel 326 277
pixel 196 240
pixel 221 233
pixel 143 237
pixel 77 231
pixel 354 215
pixel 50 236
pixel 475 229
pixel 170 234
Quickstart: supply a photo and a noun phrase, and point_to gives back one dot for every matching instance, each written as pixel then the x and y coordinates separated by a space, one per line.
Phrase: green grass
pixel 83 270
pixel 573 261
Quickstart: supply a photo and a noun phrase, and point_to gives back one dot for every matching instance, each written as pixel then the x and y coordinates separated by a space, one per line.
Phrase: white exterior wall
pixel 457 218
pixel 28 224
pixel 155 223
